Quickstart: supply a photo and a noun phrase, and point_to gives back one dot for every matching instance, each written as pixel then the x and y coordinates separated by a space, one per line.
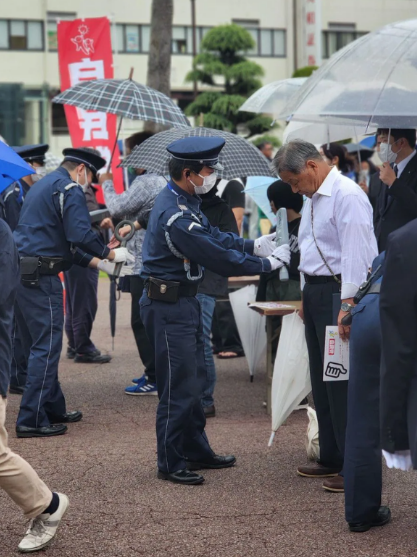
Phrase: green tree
pixel 222 64
pixel 305 72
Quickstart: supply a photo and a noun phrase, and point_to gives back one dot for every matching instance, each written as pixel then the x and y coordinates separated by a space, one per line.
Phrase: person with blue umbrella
pixel 12 198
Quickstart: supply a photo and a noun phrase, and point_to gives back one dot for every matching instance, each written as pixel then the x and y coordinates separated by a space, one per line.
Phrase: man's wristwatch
pixel 346 307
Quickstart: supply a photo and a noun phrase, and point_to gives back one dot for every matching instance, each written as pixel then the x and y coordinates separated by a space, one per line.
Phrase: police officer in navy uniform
pixel 179 243
pixel 363 460
pixel 54 232
pixel 13 198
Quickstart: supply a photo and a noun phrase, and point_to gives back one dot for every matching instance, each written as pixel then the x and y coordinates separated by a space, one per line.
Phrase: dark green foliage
pixel 222 64
pixel 304 72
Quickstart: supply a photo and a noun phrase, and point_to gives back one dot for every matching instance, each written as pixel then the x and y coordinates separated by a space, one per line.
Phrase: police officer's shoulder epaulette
pixel 72 185
pixel 12 189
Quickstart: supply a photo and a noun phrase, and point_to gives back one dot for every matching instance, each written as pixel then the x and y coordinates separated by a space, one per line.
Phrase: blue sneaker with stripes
pixel 140 380
pixel 145 389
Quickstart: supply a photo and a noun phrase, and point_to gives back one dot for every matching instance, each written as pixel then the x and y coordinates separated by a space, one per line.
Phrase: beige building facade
pixel 29 62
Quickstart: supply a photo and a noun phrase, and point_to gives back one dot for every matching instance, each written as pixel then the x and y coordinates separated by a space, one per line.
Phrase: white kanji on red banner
pixel 94 124
pixel 86 70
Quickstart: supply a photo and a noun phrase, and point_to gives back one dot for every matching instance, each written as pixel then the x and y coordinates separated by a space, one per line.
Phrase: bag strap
pixel 319 250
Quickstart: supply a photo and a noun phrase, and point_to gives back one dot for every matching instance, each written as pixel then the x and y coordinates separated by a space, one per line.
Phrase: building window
pixel 59 121
pixel 268 42
pixel 132 38
pixel 180 44
pixel 338 36
pixel 19 34
pixel 52 26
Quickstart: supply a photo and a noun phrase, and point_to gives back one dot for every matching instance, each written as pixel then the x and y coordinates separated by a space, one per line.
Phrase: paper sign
pixel 336 356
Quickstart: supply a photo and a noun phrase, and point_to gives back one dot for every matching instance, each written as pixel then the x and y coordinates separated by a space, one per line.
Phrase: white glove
pixel 279 257
pixel 108 267
pixel 400 460
pixel 264 245
pixel 122 255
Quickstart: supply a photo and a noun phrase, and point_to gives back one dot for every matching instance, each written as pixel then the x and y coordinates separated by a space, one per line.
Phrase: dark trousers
pixel 330 397
pixel 176 333
pixel 21 342
pixel 42 309
pixel 146 352
pixel 225 336
pixel 80 307
pixel 7 302
pixel 363 467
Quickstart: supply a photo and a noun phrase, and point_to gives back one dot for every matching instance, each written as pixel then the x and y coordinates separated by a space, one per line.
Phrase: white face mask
pixel 40 173
pixel 86 184
pixel 208 184
pixel 386 154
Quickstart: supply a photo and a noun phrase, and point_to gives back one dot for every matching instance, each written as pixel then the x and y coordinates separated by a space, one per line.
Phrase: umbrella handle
pixel 123 241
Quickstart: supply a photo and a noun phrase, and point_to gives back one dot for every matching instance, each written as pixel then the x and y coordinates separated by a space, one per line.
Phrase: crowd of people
pixel 343 214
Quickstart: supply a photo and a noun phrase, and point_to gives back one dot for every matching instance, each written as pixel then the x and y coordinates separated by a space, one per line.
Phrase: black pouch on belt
pixel 29 271
pixel 163 290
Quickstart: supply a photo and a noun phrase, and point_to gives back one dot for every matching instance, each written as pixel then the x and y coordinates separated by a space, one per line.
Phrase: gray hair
pixel 292 156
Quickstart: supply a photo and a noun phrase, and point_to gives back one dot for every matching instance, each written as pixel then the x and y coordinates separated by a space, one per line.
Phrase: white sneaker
pixel 42 529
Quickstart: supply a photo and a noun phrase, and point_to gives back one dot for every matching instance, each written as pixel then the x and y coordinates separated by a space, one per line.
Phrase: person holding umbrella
pixel 179 243
pixel 13 198
pixel 54 226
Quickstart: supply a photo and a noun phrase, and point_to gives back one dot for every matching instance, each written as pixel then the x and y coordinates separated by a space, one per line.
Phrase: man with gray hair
pixel 337 246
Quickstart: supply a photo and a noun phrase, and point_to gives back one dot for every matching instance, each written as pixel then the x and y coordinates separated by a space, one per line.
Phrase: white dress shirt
pixel 344 233
pixel 401 165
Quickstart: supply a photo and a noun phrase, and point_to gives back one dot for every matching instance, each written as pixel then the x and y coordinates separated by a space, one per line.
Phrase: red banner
pixel 85 53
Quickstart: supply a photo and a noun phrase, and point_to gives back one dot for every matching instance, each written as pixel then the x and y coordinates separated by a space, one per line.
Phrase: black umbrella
pixel 125 98
pixel 239 156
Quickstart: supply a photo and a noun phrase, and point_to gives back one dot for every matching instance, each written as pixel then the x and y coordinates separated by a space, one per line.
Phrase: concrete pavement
pixel 106 464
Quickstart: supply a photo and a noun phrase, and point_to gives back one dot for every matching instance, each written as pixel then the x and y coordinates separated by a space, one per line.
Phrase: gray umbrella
pixel 239 157
pixel 126 98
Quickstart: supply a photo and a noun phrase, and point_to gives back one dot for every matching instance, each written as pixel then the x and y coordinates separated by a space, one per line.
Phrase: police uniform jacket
pixel 178 229
pixel 9 279
pixel 13 198
pixel 54 220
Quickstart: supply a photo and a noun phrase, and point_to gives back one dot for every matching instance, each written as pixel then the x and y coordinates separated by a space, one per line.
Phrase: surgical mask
pixel 40 173
pixel 386 154
pixel 208 184
pixel 86 184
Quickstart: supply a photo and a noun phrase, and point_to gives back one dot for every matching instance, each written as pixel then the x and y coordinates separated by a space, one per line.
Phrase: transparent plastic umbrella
pixel 273 97
pixel 250 324
pixel 291 380
pixel 256 187
pixel 371 81
pixel 324 133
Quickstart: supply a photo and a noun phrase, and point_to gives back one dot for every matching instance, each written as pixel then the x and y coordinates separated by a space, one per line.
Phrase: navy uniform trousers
pixel 176 332
pixel 43 310
pixel 22 342
pixel 80 307
pixel 363 466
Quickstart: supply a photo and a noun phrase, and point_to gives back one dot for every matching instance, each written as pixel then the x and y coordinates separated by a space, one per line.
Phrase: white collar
pixel 401 165
pixel 327 186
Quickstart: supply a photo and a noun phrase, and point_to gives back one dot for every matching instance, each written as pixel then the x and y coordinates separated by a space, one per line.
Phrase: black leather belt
pixel 312 279
pixel 375 288
pixel 169 291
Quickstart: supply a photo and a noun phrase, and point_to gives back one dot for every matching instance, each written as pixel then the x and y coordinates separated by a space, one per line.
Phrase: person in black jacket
pixel 397 200
pixel 398 307
pixel 220 215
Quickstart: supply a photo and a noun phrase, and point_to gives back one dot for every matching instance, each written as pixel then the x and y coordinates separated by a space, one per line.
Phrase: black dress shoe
pixel 382 517
pixel 184 477
pixel 70 353
pixel 15 390
pixel 68 418
pixel 95 357
pixel 215 463
pixel 209 411
pixel 47 431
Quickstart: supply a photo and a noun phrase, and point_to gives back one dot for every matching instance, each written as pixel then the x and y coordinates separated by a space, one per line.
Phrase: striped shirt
pixel 342 217
pixel 134 204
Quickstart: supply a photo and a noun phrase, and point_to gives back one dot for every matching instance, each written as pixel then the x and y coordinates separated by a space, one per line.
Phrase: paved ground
pixel 106 464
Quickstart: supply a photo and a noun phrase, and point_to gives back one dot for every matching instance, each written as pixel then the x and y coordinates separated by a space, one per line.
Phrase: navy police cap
pixel 81 155
pixel 201 150
pixel 32 153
